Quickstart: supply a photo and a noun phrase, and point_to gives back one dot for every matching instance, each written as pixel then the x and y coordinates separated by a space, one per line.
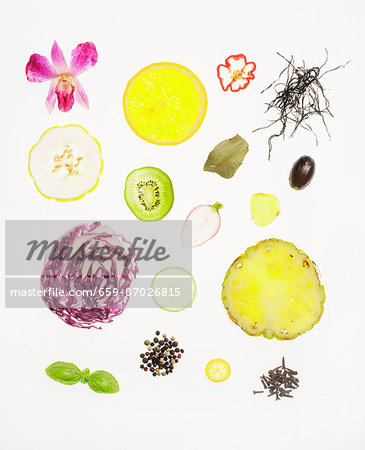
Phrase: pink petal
pixel 248 69
pixel 51 98
pixel 39 69
pixel 238 84
pixel 83 57
pixel 58 60
pixel 236 62
pixel 225 76
pixel 80 94
pixel 65 94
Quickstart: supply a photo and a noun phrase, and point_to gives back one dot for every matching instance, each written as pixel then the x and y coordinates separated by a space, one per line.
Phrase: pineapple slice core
pixel 273 290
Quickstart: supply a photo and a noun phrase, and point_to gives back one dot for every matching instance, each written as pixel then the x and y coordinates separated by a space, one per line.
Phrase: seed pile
pixel 161 356
pixel 280 381
pixel 299 97
pixel 67 162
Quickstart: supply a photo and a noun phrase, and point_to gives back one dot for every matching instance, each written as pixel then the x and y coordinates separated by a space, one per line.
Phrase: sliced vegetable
pixel 302 172
pixel 205 223
pixel 264 208
pixel 217 370
pixel 66 163
pixel 173 289
pixel 227 156
pixel 89 284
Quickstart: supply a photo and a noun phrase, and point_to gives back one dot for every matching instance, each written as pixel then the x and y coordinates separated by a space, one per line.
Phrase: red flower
pixel 236 73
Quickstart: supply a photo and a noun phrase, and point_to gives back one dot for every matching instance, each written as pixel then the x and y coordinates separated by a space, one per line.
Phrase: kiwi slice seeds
pixel 149 193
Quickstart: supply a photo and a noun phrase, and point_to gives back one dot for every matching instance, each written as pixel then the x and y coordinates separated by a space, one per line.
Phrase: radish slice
pixel 206 222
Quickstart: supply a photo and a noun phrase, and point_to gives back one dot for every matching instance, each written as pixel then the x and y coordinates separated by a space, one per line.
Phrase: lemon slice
pixel 165 103
pixel 217 370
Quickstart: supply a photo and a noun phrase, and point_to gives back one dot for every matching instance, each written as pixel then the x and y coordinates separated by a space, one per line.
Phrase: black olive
pixel 302 172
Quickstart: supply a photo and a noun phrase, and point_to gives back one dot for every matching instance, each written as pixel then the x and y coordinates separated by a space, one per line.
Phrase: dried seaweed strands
pixel 280 382
pixel 298 98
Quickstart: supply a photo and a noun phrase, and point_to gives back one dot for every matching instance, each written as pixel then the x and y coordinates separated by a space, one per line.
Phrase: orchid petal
pixel 39 69
pixel 83 57
pixel 51 98
pixel 248 69
pixel 238 84
pixel 225 76
pixel 80 94
pixel 58 60
pixel 65 94
pixel 236 62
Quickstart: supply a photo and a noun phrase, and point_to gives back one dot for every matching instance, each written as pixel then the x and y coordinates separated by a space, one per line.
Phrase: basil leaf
pixel 103 382
pixel 227 156
pixel 64 372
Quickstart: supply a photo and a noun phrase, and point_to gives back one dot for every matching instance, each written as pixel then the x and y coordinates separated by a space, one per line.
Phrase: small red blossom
pixel 235 73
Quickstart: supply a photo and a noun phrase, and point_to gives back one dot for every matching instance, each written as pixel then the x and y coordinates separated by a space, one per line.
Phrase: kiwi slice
pixel 149 193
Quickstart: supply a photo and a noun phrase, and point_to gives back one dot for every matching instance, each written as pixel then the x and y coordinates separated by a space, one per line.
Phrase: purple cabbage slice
pixel 85 286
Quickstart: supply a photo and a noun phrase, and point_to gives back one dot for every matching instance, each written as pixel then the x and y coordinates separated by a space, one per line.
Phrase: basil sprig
pixel 67 373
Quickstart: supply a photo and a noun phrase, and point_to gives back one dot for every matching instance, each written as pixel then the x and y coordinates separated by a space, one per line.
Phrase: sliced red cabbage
pixel 88 271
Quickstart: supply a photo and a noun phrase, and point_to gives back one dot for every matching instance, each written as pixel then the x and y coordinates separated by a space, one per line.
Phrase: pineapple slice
pixel 273 290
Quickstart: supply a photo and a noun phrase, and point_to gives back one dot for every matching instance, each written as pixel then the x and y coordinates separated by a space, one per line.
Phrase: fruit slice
pixel 149 193
pixel 205 223
pixel 174 289
pixel 165 103
pixel 273 290
pixel 217 370
pixel 66 163
pixel 264 208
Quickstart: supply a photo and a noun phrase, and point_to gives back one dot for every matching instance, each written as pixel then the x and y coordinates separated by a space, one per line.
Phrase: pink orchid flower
pixel 64 83
pixel 235 73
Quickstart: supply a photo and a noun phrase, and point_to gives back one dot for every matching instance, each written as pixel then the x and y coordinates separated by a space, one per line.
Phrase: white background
pixel 186 410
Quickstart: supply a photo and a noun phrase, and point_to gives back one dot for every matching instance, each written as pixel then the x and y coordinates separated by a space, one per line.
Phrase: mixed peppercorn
pixel 161 356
